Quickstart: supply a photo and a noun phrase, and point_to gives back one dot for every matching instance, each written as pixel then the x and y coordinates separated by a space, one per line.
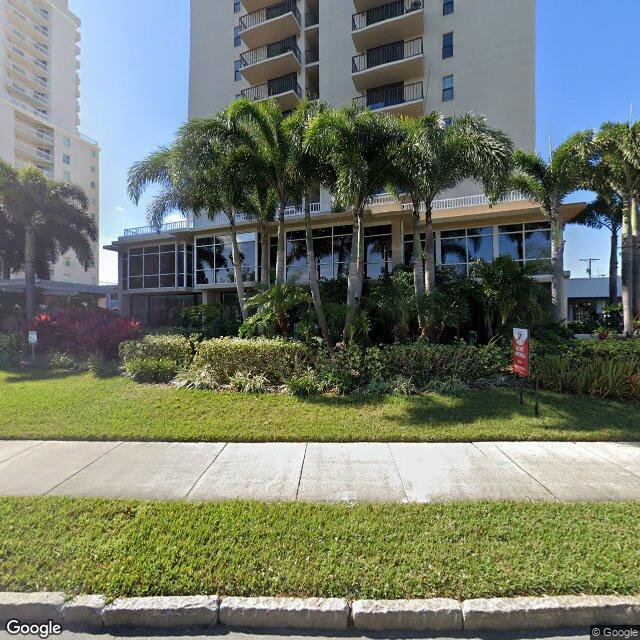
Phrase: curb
pixel 336 614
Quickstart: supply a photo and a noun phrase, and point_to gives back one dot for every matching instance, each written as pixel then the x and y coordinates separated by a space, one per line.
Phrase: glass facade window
pixel 448 7
pixel 155 266
pixel 378 246
pixel 460 248
pixel 447 89
pixel 447 45
pixel 527 242
pixel 236 37
pixel 214 259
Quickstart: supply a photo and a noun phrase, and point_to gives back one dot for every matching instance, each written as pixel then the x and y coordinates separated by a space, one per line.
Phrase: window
pixel 66 141
pixel 447 45
pixel 66 176
pixel 214 259
pixel 528 242
pixel 447 89
pixel 93 153
pixel 237 66
pixel 93 184
pixel 93 201
pixel 236 6
pixel 67 262
pixel 93 169
pixel 447 7
pixel 460 248
pixel 377 251
pixel 66 158
pixel 236 37
pixel 155 267
pixel 448 122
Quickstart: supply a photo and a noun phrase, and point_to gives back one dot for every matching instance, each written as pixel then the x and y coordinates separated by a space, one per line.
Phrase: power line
pixel 590 261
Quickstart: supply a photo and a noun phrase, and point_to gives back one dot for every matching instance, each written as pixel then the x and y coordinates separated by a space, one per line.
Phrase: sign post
pixel 522 362
pixel 33 341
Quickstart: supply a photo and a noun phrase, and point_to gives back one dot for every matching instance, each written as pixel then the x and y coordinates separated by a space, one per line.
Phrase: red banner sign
pixel 521 352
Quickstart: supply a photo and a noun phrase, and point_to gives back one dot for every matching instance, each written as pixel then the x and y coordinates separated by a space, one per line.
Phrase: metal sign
pixel 33 338
pixel 521 352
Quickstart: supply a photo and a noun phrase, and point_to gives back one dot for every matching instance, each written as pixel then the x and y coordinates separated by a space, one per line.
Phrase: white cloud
pixel 118 209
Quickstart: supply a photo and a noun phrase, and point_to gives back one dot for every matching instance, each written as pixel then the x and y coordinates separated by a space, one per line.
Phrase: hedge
pixel 158 347
pixel 276 360
pixel 12 347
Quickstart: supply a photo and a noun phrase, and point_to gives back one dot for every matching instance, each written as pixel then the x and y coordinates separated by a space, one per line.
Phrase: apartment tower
pixel 39 106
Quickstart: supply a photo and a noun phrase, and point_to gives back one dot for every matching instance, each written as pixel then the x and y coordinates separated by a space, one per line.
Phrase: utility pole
pixel 590 262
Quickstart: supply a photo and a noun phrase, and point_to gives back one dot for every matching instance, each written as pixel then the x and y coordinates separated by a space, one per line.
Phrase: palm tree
pixel 356 145
pixel 45 214
pixel 618 149
pixel 432 157
pixel 548 184
pixel 260 205
pixel 7 246
pixel 207 168
pixel 605 212
pixel 270 134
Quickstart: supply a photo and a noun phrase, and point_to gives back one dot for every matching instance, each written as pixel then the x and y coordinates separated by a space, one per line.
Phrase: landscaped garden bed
pixel 465 550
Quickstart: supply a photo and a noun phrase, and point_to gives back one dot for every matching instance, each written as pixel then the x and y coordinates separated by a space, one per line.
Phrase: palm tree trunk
pixel 557 264
pixel 29 273
pixel 354 269
pixel 264 255
pixel 418 253
pixel 635 245
pixel 613 267
pixel 627 269
pixel 281 248
pixel 313 282
pixel 430 253
pixel 237 268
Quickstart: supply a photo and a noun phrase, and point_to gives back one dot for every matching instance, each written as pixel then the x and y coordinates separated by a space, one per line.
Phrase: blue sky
pixel 135 56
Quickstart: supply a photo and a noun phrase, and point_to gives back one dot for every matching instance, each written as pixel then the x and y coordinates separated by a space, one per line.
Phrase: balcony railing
pixel 390 96
pixel 386 54
pixel 311 19
pixel 273 88
pixel 271 51
pixel 32 151
pixel 311 56
pixel 34 133
pixel 25 107
pixel 384 12
pixel 269 13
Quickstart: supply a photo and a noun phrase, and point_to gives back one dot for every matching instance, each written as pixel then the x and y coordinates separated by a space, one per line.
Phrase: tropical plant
pixel 207 169
pixel 509 292
pixel 430 157
pixel 548 184
pixel 45 215
pixel 605 212
pixel 356 144
pixel 269 133
pixel 617 147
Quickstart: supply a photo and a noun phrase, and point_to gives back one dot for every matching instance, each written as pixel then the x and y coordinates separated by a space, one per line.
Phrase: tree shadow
pixel 38 375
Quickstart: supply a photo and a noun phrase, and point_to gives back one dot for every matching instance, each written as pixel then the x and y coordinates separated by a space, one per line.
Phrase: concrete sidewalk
pixel 328 472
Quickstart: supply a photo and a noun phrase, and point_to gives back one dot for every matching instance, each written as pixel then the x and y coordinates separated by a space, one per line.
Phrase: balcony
pixel 18 55
pixel 270 24
pixel 311 56
pixel 17 71
pixel 33 134
pixel 394 21
pixel 285 90
pixel 402 99
pixel 388 64
pixel 273 60
pixel 33 152
pixel 311 19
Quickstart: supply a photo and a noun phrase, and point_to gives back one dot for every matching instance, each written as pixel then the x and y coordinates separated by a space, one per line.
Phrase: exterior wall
pixel 45 138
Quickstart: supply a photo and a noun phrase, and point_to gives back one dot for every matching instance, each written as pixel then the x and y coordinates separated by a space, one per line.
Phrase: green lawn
pixel 61 405
pixel 461 550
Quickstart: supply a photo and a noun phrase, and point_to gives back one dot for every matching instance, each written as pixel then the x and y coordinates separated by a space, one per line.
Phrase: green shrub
pixel 176 348
pixel 150 369
pixel 65 361
pixel 249 383
pixel 276 360
pixel 446 386
pixel 12 348
pixel 208 320
pixel 305 385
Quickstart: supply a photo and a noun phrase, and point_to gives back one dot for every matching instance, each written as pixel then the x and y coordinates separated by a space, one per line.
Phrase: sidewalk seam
pixel 608 460
pixel 15 455
pixel 304 458
pixel 395 464
pixel 527 473
pixel 86 466
pixel 224 446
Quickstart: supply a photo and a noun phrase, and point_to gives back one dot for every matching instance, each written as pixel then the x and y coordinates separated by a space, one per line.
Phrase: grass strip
pixel 461 550
pixel 61 405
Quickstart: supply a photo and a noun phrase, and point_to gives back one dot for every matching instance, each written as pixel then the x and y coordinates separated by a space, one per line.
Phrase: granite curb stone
pixel 437 614
pixel 32 608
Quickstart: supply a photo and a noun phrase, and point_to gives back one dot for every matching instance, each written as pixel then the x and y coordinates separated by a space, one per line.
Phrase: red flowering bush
pixel 82 332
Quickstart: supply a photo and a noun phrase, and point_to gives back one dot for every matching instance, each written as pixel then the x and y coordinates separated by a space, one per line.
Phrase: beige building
pixel 404 56
pixel 39 105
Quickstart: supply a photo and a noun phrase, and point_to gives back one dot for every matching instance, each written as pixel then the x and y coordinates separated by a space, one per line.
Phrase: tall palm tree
pixel 356 144
pixel 548 184
pixel 432 157
pixel 7 246
pixel 206 169
pixel 268 132
pixel 605 212
pixel 618 148
pixel 46 214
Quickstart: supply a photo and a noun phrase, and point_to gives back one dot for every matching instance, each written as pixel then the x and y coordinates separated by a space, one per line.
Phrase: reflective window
pixel 460 248
pixel 448 7
pixel 447 45
pixel 527 242
pixel 154 267
pixel 214 258
pixel 378 251
pixel 447 89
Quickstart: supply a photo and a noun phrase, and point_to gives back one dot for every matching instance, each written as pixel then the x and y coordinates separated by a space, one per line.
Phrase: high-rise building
pixel 399 57
pixel 39 106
